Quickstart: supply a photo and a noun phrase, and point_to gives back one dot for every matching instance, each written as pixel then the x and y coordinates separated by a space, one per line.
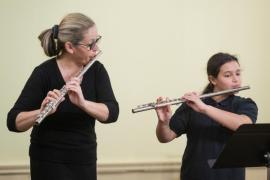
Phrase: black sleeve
pixel 179 120
pixel 105 94
pixel 30 98
pixel 249 108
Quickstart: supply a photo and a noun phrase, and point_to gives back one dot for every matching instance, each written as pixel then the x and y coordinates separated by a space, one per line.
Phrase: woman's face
pixel 87 48
pixel 229 77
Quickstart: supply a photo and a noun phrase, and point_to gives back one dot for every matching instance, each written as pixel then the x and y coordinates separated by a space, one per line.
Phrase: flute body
pixel 63 91
pixel 154 105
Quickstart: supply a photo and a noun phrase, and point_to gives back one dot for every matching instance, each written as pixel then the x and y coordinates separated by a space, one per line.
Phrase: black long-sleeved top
pixel 206 138
pixel 68 135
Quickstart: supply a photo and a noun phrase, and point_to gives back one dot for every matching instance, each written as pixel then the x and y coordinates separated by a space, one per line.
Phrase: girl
pixel 208 123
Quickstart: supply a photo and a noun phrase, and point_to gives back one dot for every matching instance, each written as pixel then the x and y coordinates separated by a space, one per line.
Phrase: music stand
pixel 249 146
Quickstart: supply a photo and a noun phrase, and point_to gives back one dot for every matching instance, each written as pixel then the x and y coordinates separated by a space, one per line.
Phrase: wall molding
pixel 107 168
pixel 141 167
pixel 14 169
pixel 125 170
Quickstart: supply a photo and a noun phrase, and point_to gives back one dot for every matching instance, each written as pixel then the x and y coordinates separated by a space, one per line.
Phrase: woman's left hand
pixel 193 100
pixel 75 92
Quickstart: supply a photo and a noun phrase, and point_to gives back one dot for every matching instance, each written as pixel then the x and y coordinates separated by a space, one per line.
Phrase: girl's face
pixel 229 77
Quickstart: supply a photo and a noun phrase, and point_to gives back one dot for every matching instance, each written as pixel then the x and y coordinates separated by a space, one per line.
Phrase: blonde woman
pixel 64 145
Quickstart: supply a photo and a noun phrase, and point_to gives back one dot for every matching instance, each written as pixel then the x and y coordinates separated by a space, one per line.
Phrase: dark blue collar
pixel 224 102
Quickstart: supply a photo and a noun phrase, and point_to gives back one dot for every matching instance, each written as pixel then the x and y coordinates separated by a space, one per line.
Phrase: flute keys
pixel 146 105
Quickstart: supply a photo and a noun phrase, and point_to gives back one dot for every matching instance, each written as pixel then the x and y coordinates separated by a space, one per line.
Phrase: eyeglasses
pixel 91 45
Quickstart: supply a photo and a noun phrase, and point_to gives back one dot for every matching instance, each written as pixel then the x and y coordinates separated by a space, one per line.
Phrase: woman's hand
pixel 164 113
pixel 52 96
pixel 75 92
pixel 193 100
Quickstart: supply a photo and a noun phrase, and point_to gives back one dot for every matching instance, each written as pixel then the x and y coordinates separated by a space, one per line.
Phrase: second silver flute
pixel 53 104
pixel 153 105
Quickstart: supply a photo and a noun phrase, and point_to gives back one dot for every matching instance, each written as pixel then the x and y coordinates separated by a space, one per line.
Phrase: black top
pixel 206 138
pixel 68 135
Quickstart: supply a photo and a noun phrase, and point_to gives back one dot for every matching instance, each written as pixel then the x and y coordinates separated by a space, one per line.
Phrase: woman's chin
pixel 86 61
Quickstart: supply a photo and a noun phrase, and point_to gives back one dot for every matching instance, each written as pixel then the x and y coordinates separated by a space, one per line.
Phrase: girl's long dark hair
pixel 213 67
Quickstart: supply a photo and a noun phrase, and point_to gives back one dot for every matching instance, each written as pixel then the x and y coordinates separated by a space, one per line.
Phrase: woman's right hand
pixel 164 113
pixel 52 96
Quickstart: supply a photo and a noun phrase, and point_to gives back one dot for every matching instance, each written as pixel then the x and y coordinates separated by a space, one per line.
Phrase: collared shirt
pixel 206 138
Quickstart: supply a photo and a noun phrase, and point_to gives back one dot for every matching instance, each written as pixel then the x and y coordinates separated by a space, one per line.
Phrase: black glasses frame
pixel 91 45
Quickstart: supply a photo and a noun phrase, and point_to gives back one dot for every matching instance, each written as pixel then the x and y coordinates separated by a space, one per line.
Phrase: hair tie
pixel 55 30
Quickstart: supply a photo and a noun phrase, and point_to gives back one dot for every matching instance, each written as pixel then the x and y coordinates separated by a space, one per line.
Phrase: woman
pixel 210 122
pixel 63 146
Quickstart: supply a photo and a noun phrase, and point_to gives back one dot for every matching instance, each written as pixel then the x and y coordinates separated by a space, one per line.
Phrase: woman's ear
pixel 69 47
pixel 212 80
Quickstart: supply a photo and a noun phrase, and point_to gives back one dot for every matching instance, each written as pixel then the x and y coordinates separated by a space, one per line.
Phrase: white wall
pixel 150 48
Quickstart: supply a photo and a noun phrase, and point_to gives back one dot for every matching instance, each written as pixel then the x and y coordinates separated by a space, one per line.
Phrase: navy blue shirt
pixel 206 138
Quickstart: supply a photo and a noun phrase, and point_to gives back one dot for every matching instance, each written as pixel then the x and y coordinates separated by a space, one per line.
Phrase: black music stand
pixel 249 146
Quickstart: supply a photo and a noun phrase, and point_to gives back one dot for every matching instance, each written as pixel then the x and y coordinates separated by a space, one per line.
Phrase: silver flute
pixel 53 104
pixel 154 105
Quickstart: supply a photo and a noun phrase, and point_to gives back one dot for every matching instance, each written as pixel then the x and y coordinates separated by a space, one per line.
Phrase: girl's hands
pixel 164 113
pixel 193 100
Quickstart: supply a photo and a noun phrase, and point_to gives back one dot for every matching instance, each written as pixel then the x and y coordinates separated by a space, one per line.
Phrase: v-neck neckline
pixel 60 76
